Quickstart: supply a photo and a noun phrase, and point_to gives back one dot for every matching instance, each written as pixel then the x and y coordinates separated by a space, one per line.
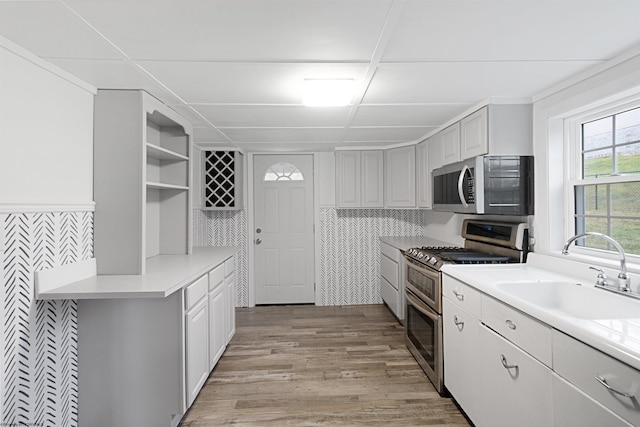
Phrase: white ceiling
pixel 235 67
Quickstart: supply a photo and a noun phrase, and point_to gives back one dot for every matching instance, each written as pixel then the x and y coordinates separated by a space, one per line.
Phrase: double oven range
pixel 485 243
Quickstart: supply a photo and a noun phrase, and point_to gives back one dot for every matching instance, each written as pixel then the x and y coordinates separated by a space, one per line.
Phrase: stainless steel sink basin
pixel 574 300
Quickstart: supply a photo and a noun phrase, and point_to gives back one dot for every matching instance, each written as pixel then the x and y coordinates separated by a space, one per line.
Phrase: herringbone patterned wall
pixel 350 251
pixel 225 228
pixel 39 338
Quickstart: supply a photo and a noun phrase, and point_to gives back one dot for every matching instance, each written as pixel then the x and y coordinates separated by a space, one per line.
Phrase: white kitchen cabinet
pixel 423 175
pixel 392 279
pixel 144 209
pixel 359 179
pixel 450 144
pixel 462 370
pixel 573 408
pixel 400 177
pixel 218 313
pixel 473 135
pixel 584 371
pixel 230 286
pixel 515 385
pixel 197 340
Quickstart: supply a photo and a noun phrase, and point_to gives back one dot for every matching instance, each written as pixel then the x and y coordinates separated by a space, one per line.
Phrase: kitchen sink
pixel 573 299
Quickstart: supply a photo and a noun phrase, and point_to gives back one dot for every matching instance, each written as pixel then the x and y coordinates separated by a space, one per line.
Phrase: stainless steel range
pixel 485 243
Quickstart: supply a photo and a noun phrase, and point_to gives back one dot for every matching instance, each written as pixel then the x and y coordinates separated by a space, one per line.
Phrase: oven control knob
pixel 433 260
pixel 420 255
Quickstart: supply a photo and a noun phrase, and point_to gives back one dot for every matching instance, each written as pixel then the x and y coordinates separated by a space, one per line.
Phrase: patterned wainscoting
pixel 39 338
pixel 225 228
pixel 350 251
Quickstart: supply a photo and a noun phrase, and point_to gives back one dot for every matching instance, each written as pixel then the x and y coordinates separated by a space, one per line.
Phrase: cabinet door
pixel 462 367
pixel 400 177
pixel 371 179
pixel 218 313
pixel 519 386
pixel 473 135
pixel 451 144
pixel 573 408
pixel 231 306
pixel 348 179
pixel 197 351
pixel 435 156
pixel 423 175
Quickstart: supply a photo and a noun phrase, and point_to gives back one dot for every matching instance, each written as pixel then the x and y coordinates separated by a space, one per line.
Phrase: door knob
pixel 258 241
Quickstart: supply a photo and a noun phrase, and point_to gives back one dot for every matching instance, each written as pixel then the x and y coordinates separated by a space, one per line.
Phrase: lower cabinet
pixel 506 368
pixel 392 279
pixel 516 385
pixel 143 361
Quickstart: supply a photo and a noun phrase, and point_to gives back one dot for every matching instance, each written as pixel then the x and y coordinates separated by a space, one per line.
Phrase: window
pixel 283 172
pixel 606 188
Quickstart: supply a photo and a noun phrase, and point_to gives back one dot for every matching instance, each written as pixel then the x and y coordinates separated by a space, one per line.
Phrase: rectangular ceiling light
pixel 327 92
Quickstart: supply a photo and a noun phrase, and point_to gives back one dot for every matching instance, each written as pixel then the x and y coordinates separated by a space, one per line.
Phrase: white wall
pixel 46 132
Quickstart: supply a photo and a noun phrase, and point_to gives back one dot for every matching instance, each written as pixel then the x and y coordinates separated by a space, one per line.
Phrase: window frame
pixel 574 170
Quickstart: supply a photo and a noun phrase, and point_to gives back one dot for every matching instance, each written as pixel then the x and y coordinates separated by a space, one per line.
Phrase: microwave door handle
pixel 464 170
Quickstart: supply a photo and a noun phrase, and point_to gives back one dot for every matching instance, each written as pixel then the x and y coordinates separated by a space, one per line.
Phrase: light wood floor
pixel 326 366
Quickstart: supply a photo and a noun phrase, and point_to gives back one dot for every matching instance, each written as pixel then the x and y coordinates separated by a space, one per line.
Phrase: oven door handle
pixel 421 307
pixel 463 172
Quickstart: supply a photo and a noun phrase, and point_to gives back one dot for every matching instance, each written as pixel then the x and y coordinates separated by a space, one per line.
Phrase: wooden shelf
pixel 156 152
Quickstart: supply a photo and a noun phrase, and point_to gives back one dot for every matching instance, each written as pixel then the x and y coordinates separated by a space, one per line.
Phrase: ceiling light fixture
pixel 327 92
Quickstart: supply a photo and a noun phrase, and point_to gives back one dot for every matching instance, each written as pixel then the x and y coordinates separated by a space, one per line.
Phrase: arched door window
pixel 283 172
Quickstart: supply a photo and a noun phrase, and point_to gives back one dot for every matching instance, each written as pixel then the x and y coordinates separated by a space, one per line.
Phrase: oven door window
pixel 427 285
pixel 422 332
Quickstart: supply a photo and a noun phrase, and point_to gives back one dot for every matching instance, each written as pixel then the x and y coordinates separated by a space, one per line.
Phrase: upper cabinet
pixel 423 175
pixel 142 181
pixel 221 184
pixel 400 177
pixel 450 138
pixel 359 182
pixel 473 135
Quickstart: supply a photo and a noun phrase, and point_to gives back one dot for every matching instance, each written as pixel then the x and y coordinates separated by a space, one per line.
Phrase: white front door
pixel 283 234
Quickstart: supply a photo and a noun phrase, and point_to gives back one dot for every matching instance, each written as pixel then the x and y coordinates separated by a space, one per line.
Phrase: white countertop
pixel 619 338
pixel 408 242
pixel 165 275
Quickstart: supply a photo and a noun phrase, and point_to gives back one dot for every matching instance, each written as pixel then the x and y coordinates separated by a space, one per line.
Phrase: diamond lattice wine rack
pixel 222 185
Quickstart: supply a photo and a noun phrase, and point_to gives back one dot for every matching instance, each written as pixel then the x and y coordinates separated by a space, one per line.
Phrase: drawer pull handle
pixel 603 381
pixel 503 359
pixel 511 325
pixel 458 295
pixel 459 323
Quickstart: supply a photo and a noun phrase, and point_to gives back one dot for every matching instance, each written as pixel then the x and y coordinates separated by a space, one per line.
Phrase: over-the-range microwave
pixel 498 185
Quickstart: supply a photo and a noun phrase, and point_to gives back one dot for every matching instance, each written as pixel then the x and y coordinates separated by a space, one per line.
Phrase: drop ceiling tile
pixel 273 116
pixel 465 82
pixel 387 134
pixel 406 115
pixel 242 83
pixel 188 113
pixel 114 74
pixel 49 30
pixel 471 30
pixel 278 135
pixel 240 30
pixel 287 147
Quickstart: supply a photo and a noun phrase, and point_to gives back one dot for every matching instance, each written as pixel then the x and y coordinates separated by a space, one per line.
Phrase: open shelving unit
pixel 142 181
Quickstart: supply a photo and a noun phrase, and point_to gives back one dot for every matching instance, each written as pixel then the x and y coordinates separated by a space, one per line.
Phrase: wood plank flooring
pixel 319 366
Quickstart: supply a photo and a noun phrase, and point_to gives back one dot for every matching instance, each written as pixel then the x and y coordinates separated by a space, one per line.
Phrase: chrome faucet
pixel 623 281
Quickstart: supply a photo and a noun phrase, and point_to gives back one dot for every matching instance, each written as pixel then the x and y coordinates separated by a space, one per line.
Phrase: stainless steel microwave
pixel 497 185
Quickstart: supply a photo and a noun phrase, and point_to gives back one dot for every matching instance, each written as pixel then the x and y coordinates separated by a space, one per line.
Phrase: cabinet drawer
pixel 389 270
pixel 391 252
pixel 529 334
pixel 229 267
pixel 216 277
pixel 391 296
pixel 581 364
pixel 196 291
pixel 462 295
